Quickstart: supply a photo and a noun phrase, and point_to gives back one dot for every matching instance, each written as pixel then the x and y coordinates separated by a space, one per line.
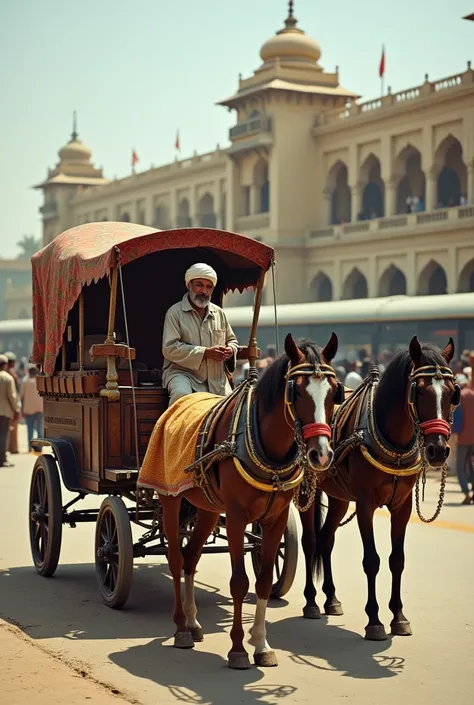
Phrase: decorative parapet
pixel 394 100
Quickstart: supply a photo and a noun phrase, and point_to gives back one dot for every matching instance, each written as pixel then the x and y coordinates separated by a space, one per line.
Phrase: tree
pixel 28 245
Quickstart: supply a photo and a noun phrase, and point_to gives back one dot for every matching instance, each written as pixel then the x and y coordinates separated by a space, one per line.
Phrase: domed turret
pixel 74 150
pixel 291 43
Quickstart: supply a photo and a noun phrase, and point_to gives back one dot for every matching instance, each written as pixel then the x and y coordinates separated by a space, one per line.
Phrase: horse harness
pixel 367 436
pixel 244 445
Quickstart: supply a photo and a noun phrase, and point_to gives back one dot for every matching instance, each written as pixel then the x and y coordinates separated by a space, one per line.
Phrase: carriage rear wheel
pixel 45 515
pixel 286 559
pixel 114 552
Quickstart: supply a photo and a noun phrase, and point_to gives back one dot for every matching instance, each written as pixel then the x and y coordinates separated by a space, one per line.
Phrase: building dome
pixel 291 43
pixel 74 150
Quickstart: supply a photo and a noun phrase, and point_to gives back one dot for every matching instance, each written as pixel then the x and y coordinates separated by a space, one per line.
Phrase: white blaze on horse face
pixel 438 386
pixel 258 633
pixel 318 390
pixel 189 605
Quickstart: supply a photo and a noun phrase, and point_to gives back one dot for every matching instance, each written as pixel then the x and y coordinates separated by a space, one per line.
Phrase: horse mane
pixel 392 388
pixel 271 384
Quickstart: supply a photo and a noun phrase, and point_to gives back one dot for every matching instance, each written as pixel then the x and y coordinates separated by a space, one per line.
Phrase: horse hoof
pixel 334 609
pixel 239 661
pixel 197 633
pixel 183 640
pixel 401 628
pixel 266 659
pixel 375 632
pixel 311 612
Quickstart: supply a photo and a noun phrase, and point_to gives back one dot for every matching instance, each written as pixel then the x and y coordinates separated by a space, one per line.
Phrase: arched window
pixel 340 194
pixel 373 196
pixel 262 186
pixel 184 220
pixel 466 278
pixel 207 216
pixel 432 280
pixel 321 288
pixel 355 286
pixel 392 282
pixel 452 173
pixel 411 185
pixel 125 218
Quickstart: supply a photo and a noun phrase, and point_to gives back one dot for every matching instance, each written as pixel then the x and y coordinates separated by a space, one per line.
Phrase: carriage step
pixel 120 475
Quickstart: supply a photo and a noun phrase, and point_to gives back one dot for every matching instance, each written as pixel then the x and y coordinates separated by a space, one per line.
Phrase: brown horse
pixel 292 404
pixel 385 435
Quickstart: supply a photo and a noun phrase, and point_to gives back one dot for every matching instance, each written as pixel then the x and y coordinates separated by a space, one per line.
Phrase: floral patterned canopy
pixel 87 253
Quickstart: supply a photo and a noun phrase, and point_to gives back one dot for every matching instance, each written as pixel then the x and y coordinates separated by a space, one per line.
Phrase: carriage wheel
pixel 45 515
pixel 114 552
pixel 286 558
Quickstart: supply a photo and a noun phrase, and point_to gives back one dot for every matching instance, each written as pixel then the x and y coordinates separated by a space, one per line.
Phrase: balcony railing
pixel 393 100
pixel 257 221
pixel 259 124
pixel 407 221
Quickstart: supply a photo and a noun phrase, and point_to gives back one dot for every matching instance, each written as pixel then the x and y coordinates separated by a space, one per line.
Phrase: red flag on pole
pixel 135 158
pixel 382 63
pixel 176 144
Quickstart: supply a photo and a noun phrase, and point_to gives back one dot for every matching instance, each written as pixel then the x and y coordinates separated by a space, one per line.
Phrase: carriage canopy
pixel 87 253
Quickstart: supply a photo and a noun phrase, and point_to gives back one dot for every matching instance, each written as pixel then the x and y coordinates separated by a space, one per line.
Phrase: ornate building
pixel 357 198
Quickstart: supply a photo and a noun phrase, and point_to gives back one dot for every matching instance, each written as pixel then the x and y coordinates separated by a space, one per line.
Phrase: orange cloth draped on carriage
pixel 173 443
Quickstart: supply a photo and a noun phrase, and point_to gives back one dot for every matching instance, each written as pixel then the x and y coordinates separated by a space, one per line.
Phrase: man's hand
pixel 217 352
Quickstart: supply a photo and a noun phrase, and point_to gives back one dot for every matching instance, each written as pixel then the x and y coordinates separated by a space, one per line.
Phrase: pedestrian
pixel 465 438
pixel 8 408
pixel 13 438
pixel 353 378
pixel 32 405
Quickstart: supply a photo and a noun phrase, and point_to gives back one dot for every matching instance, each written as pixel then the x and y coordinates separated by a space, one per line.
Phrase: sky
pixel 137 71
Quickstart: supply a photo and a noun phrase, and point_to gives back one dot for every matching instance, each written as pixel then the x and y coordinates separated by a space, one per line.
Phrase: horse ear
pixel 329 352
pixel 292 350
pixel 415 351
pixel 448 352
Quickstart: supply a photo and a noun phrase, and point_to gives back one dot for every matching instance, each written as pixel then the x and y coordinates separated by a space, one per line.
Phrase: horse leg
pixel 239 585
pixel 337 509
pixel 205 524
pixel 271 538
pixel 375 631
pixel 308 543
pixel 171 505
pixel 400 626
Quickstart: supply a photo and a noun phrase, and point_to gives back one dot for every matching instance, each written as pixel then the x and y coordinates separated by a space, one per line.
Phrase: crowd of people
pixel 19 403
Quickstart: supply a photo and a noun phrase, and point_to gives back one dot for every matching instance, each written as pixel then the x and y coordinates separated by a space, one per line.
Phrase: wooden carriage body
pixel 100 294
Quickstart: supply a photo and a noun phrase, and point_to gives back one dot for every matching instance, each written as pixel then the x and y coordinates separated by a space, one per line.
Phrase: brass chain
pixel 442 487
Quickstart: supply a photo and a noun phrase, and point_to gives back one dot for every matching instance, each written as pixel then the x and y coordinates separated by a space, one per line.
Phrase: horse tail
pixel 318 522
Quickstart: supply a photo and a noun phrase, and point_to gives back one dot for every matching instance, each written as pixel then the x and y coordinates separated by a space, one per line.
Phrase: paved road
pixel 328 662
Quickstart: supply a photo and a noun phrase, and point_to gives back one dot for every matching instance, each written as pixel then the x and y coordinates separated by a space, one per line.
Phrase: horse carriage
pixel 100 294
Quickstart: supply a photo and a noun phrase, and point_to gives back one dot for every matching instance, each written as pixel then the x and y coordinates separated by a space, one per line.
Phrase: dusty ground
pixel 63 645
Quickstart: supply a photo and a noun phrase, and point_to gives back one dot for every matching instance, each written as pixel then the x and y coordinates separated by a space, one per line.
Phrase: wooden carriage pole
pixel 252 347
pixel 111 390
pixel 81 331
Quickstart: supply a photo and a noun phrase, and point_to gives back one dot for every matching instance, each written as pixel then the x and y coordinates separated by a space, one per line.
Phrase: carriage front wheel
pixel 45 515
pixel 286 559
pixel 114 552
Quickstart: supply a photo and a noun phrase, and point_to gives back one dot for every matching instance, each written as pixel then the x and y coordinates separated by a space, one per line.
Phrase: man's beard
pixel 199 300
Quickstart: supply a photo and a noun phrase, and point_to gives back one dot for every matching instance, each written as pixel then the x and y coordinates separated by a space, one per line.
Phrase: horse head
pixel 432 396
pixel 312 390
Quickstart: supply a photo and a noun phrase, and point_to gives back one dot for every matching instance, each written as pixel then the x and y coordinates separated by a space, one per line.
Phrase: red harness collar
pixel 316 429
pixel 435 426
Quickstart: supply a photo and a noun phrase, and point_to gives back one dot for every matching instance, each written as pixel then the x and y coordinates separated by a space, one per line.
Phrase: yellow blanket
pixel 172 445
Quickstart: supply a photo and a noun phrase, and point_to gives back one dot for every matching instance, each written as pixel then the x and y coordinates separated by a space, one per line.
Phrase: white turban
pixel 200 271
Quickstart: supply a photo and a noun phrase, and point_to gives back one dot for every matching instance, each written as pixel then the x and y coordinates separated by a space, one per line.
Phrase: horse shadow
pixel 197 676
pixel 331 647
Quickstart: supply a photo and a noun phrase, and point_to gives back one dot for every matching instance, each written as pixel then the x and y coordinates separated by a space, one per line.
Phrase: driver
pixel 197 339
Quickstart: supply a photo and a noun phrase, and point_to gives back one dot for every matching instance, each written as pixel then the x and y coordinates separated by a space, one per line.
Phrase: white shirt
pixel 353 380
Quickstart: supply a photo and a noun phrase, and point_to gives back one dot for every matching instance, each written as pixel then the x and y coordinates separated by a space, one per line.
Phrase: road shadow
pixel 69 604
pixel 331 647
pixel 199 677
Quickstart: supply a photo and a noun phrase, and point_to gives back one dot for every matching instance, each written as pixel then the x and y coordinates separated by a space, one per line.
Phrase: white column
pixel 218 202
pixel 174 209
pixel 356 193
pixel 327 195
pixel 390 197
pixel 192 205
pixel 231 201
pixel 431 190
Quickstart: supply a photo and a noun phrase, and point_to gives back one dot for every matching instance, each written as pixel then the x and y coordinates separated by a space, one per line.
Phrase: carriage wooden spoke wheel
pixel 45 515
pixel 286 559
pixel 114 552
